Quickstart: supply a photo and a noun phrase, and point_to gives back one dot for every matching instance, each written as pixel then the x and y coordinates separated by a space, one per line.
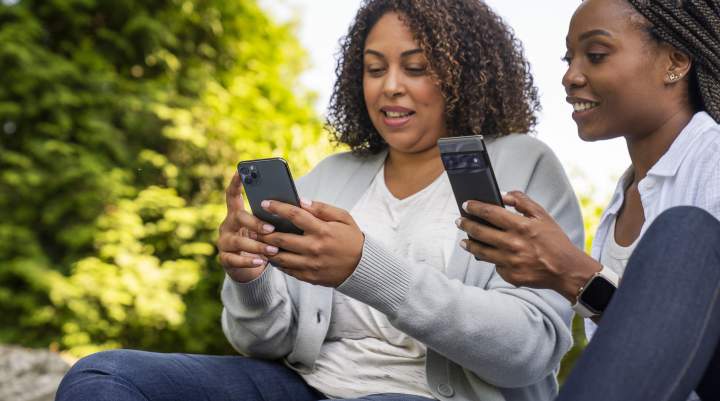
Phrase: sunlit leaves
pixel 120 124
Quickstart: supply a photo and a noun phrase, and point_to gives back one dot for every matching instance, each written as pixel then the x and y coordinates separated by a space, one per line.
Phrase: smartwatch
pixel 596 294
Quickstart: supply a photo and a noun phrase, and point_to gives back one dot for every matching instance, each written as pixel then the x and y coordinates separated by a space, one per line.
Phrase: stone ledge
pixel 30 375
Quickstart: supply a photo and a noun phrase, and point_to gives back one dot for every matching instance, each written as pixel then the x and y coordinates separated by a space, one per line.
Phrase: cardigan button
pixel 445 390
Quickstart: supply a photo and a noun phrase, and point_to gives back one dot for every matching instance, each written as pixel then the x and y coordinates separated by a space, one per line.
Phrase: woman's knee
pixel 688 220
pixel 110 362
pixel 118 364
pixel 682 225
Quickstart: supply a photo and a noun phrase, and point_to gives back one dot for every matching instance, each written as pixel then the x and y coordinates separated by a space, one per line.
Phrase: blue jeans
pixel 658 339
pixel 124 375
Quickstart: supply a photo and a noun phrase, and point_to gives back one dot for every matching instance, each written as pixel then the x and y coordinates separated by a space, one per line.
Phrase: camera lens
pixel 253 174
pixel 248 180
pixel 244 170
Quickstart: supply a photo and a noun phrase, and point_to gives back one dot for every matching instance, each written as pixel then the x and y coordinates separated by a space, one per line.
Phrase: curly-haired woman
pixel 376 300
pixel 647 71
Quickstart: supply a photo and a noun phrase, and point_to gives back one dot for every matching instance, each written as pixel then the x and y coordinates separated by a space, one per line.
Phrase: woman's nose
pixel 573 78
pixel 393 86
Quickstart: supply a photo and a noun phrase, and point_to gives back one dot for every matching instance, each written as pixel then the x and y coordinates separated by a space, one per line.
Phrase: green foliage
pixel 120 124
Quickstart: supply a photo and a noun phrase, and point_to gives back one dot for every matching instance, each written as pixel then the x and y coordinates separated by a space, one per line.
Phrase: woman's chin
pixel 590 135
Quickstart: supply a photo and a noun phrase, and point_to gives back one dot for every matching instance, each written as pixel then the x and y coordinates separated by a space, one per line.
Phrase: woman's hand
pixel 529 249
pixel 241 254
pixel 329 250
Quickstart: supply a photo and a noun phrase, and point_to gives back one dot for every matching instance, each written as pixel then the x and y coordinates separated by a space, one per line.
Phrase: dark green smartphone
pixel 269 179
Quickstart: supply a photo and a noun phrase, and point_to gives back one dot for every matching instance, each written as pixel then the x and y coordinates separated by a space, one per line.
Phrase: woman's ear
pixel 678 66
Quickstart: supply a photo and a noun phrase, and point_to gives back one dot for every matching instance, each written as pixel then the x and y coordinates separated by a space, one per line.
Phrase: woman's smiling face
pixel 616 73
pixel 404 102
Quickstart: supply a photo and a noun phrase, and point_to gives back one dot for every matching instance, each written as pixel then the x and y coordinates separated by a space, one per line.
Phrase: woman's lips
pixel 580 115
pixel 396 122
pixel 396 116
pixel 582 107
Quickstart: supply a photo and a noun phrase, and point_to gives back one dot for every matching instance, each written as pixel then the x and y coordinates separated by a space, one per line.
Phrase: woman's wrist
pixel 582 270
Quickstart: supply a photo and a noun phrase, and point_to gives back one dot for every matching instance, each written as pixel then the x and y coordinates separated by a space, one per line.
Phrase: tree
pixel 120 124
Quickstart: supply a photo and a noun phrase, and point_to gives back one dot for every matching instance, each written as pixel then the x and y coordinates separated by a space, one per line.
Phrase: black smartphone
pixel 269 179
pixel 471 175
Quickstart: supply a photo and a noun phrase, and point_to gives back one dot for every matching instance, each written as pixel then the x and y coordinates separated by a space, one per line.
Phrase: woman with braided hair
pixel 647 71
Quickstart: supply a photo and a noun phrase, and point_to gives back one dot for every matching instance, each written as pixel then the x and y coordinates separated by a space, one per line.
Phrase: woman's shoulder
pixel 518 150
pixel 337 168
pixel 344 161
pixel 704 148
pixel 518 143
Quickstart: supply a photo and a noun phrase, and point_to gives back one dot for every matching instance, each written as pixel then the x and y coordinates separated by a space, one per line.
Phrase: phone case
pixel 471 175
pixel 269 179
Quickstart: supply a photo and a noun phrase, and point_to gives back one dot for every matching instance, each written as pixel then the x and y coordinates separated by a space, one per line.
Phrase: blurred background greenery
pixel 120 124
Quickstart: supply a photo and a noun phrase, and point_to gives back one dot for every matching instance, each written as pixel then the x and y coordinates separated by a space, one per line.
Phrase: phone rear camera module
pixel 244 171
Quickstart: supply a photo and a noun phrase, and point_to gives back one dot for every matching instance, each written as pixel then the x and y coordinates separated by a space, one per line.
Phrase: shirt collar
pixel 669 163
pixel 617 199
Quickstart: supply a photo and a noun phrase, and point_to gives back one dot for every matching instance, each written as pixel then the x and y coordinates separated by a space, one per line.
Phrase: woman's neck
pixel 408 173
pixel 646 150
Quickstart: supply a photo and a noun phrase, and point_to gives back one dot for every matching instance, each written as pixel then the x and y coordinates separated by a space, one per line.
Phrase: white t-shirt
pixel 363 353
pixel 615 256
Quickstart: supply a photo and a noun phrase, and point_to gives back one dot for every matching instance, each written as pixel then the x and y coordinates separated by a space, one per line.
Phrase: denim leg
pixel 124 375
pixel 658 339
pixel 389 397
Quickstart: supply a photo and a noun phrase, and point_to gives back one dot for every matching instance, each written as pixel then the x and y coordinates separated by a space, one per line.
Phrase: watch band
pixel 579 307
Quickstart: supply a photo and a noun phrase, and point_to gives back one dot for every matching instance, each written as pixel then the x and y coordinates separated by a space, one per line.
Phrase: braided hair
pixel 693 27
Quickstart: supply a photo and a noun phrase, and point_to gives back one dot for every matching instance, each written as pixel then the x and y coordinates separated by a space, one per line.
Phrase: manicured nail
pixel 458 221
pixel 271 249
pixel 305 202
pixel 253 235
pixel 265 204
pixel 463 244
pixel 258 262
pixel 503 193
pixel 465 206
pixel 267 228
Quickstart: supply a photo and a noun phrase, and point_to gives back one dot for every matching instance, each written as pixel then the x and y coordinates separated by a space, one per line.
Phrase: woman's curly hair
pixel 473 55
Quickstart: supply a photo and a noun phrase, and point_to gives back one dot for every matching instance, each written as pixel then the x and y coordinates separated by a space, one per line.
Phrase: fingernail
pixel 465 206
pixel 271 249
pixel 458 221
pixel 258 262
pixel 463 244
pixel 267 228
pixel 253 235
pixel 503 193
pixel 265 203
pixel 305 202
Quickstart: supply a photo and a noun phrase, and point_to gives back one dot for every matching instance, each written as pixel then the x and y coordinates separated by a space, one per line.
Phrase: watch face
pixel 597 294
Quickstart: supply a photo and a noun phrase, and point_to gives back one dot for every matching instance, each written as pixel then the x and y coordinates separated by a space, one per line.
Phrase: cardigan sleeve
pixel 259 318
pixel 507 336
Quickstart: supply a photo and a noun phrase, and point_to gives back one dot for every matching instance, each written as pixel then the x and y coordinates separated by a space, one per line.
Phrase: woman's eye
pixel 596 57
pixel 374 70
pixel 416 70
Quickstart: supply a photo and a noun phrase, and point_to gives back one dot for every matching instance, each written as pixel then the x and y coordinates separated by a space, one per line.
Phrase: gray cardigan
pixel 486 339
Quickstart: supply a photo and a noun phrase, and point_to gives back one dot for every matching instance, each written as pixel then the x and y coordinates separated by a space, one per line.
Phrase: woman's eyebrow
pixel 403 54
pixel 594 32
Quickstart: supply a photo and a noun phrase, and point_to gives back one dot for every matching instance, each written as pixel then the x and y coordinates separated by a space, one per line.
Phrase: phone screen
pixel 269 179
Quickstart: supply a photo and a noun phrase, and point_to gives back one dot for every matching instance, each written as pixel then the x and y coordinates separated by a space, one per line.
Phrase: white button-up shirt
pixel 687 174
